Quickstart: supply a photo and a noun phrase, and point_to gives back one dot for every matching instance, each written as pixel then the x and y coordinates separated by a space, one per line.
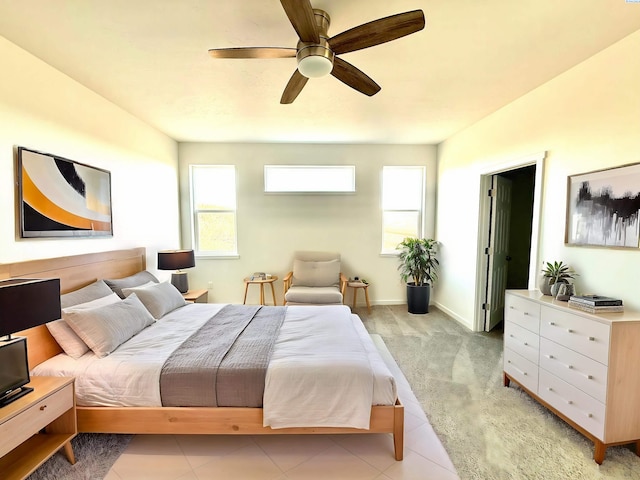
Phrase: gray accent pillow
pixel 316 274
pixel 71 343
pixel 140 278
pixel 92 291
pixel 105 328
pixel 158 298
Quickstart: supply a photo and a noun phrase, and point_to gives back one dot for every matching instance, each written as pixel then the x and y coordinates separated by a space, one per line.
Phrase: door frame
pixel 484 219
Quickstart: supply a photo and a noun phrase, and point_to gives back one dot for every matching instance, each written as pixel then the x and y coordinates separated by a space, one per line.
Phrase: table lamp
pixel 28 302
pixel 177 260
pixel 24 303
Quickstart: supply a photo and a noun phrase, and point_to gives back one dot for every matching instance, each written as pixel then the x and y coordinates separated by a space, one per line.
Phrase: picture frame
pixel 603 207
pixel 58 197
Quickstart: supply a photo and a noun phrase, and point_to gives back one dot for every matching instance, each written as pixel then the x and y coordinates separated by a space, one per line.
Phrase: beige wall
pixel 586 119
pixel 42 109
pixel 271 227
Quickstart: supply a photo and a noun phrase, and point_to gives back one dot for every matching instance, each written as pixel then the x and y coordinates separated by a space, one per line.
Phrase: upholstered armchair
pixel 315 280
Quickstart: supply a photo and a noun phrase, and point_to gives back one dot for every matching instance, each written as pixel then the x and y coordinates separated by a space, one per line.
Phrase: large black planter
pixel 418 298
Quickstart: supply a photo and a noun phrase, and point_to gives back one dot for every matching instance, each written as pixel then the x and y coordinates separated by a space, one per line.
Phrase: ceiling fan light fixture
pixel 315 61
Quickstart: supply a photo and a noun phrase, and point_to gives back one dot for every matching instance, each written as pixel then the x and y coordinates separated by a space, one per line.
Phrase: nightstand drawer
pixel 585 336
pixel 523 312
pixel 21 427
pixel 521 341
pixel 583 372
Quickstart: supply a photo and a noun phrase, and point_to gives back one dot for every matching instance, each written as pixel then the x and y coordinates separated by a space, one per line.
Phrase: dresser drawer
pixel 580 371
pixel 521 341
pixel 585 336
pixel 522 370
pixel 584 410
pixel 21 427
pixel 523 312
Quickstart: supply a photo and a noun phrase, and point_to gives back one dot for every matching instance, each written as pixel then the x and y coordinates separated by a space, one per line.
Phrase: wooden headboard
pixel 74 272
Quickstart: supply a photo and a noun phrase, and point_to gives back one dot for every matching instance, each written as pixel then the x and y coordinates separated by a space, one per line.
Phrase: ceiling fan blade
pixel 294 87
pixel 353 77
pixel 302 18
pixel 379 31
pixel 253 52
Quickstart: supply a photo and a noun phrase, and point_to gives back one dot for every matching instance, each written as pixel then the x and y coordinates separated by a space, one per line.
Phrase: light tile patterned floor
pixel 298 457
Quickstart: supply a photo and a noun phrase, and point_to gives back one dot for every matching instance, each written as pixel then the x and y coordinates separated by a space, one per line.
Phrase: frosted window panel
pixel 402 188
pixel 214 187
pixel 309 179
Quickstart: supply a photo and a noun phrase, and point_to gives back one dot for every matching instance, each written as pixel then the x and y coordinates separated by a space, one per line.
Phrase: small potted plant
pixel 555 273
pixel 418 262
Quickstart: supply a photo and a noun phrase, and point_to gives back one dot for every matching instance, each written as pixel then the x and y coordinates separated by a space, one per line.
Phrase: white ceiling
pixel 474 56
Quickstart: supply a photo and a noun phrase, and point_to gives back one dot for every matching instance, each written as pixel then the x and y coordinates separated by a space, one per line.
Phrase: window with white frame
pixel 213 205
pixel 402 205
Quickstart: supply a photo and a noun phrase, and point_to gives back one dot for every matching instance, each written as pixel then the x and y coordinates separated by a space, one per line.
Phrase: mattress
pixel 316 346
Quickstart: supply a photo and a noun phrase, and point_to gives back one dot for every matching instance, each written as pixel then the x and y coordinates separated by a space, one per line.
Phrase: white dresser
pixel 583 367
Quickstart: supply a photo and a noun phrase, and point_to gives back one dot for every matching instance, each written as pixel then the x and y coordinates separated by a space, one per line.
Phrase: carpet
pixel 95 454
pixel 490 432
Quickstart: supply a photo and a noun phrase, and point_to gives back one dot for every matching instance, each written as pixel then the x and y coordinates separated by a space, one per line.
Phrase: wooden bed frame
pixel 79 270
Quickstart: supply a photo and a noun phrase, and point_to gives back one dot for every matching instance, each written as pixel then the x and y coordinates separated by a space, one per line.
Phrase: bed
pixel 80 270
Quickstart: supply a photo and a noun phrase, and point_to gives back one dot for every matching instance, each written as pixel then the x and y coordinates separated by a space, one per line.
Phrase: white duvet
pixel 324 370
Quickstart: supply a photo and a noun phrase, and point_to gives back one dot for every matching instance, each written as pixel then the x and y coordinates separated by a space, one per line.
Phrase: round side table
pixel 248 281
pixel 357 286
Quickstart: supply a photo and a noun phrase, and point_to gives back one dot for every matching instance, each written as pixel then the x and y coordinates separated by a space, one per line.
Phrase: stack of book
pixel 596 303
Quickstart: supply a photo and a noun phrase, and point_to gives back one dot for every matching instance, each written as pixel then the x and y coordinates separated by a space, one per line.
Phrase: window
pixel 402 205
pixel 213 203
pixel 309 178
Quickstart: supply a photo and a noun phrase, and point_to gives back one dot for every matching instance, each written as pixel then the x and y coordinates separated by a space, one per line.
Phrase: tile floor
pixel 284 457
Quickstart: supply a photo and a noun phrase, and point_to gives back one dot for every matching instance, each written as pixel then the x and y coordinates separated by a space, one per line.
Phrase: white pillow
pixel 107 327
pixel 71 343
pixel 316 274
pixel 158 298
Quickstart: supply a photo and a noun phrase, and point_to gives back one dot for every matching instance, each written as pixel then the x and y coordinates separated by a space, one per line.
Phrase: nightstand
pixel 24 445
pixel 197 296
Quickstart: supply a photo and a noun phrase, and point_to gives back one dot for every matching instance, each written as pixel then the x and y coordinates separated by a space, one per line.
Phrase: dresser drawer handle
pixel 526 313
pixel 569 330
pixel 592 339
pixel 570 402
pixel 523 373
pixel 526 344
pixel 552 323
pixel 550 357
pixel 511 307
pixel 42 407
pixel 589 377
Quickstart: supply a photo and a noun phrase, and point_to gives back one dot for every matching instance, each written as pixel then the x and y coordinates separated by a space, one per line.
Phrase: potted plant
pixel 555 273
pixel 418 262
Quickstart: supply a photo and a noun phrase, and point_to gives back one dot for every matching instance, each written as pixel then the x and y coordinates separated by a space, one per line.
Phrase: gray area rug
pixel 95 454
pixel 490 432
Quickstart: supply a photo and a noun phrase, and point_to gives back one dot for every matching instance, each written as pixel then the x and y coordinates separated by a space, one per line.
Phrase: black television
pixel 14 373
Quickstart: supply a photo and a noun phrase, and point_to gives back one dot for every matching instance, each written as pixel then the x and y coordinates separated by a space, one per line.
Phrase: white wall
pixel 271 227
pixel 42 109
pixel 586 119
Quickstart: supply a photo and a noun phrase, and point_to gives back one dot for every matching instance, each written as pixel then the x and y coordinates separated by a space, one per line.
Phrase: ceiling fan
pixel 316 52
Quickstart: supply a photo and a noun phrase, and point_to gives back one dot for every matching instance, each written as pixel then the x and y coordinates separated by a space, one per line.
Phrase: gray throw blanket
pixel 224 363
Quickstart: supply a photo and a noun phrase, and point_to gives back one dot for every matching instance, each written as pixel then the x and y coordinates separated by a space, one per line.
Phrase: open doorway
pixel 508 237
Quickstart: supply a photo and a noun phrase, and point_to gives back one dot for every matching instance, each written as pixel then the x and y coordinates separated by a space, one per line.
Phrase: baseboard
pixel 453 315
